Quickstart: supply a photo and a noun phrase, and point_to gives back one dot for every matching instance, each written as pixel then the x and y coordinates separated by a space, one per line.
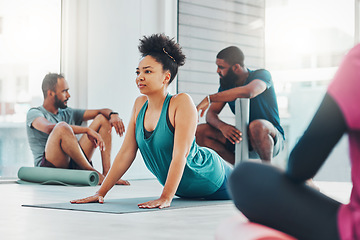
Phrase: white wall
pixel 206 27
pixel 99 55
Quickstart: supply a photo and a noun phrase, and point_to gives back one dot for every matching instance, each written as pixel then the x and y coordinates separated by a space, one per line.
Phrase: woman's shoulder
pixel 138 104
pixel 182 98
pixel 182 102
pixel 139 101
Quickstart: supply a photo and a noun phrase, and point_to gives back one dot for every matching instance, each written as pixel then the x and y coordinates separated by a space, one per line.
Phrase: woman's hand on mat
pixel 92 199
pixel 158 203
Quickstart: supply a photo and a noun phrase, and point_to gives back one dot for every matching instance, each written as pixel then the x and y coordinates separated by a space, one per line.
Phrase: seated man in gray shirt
pixel 52 129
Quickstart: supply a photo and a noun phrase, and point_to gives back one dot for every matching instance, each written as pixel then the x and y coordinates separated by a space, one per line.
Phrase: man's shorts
pixel 72 163
pixel 278 146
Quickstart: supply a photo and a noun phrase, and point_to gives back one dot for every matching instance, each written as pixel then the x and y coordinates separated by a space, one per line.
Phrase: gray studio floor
pixel 17 222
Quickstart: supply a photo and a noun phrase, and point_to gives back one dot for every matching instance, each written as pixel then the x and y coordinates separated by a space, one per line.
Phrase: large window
pixel 30 48
pixel 305 42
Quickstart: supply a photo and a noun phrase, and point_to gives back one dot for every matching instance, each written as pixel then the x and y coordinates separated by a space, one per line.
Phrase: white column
pixel 241 123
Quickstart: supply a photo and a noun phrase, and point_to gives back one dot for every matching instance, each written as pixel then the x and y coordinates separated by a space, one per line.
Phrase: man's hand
pixel 231 133
pixel 203 105
pixel 117 123
pixel 96 139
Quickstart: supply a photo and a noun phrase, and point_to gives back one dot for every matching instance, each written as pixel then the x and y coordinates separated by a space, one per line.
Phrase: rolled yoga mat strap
pixel 57 176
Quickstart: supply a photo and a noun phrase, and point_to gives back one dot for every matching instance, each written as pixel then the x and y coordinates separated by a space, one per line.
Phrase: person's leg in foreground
pixel 281 200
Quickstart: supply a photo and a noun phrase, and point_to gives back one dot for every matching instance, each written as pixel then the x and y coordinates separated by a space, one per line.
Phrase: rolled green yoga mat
pixel 57 176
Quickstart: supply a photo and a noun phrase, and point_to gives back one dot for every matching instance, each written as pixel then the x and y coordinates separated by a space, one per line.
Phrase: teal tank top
pixel 204 170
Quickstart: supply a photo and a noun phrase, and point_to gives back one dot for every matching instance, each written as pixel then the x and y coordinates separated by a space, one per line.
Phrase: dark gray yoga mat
pixel 128 205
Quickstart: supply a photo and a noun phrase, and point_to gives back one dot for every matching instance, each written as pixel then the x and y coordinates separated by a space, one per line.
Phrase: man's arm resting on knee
pixel 44 125
pixel 212 118
pixel 92 135
pixel 212 115
pixel 91 114
pixel 109 114
pixel 250 90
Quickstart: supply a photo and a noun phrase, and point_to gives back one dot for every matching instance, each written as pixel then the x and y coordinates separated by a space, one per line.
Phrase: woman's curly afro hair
pixel 165 51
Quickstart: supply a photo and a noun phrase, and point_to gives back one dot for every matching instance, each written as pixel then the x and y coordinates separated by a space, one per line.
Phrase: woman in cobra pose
pixel 163 127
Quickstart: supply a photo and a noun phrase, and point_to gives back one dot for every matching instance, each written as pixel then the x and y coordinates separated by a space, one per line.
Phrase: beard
pixel 229 80
pixel 60 104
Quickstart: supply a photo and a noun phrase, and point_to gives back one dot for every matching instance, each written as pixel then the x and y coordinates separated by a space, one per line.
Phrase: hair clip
pixel 169 55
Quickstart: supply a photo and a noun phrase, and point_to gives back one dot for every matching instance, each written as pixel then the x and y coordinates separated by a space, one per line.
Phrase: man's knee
pixel 62 128
pixel 257 128
pixel 101 118
pixel 101 121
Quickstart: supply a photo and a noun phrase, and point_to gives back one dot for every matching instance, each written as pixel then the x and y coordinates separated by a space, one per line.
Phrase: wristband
pixel 112 114
pixel 208 98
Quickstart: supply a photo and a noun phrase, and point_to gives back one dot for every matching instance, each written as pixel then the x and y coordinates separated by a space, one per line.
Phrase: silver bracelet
pixel 208 98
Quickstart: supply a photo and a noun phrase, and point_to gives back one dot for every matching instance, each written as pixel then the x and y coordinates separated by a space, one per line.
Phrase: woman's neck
pixel 156 101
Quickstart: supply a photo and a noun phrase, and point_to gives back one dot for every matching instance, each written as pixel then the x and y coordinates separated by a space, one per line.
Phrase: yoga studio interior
pixel 94 44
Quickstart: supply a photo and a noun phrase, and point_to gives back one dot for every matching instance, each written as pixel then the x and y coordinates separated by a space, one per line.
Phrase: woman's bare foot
pixel 122 182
